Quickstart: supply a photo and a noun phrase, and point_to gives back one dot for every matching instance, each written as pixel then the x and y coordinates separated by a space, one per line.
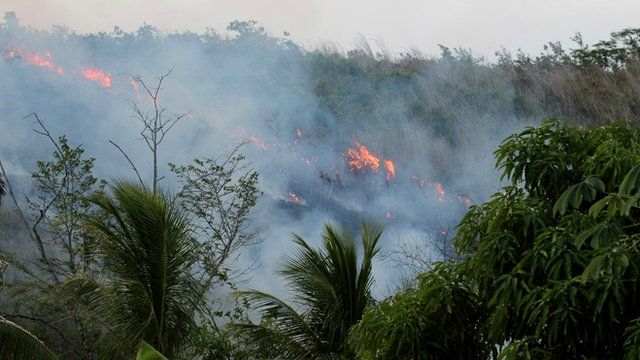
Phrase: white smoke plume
pixel 301 121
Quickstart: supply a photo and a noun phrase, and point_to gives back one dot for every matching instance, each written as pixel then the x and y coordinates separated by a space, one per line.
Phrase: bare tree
pixel 414 258
pixel 157 122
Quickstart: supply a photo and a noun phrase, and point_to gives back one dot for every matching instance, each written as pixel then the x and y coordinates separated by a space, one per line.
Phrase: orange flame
pixel 257 142
pixel 42 60
pixel 420 182
pixel 102 78
pixel 391 169
pixel 467 202
pixel 294 198
pixel 361 159
pixel 440 190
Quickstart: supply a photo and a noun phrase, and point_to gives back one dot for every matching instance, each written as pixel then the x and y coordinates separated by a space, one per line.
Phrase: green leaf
pixel 630 181
pixel 596 208
pixel 583 236
pixel 630 203
pixel 147 352
pixel 561 205
pixel 596 184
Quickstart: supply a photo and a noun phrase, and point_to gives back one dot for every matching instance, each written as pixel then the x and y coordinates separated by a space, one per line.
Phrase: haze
pixel 483 26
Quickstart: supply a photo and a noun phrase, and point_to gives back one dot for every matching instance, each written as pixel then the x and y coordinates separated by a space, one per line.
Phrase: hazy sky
pixel 482 25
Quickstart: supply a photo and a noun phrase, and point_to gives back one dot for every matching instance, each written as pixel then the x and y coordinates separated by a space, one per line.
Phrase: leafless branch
pixel 155 125
pixel 128 160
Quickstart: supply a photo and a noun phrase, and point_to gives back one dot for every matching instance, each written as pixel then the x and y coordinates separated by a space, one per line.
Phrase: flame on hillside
pixel 44 60
pixel 100 77
pixel 442 195
pixel 296 199
pixel 361 160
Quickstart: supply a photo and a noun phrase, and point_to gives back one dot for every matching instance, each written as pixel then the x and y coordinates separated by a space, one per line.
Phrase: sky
pixel 484 26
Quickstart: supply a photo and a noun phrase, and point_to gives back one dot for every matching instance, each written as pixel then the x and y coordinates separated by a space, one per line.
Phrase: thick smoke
pixel 302 110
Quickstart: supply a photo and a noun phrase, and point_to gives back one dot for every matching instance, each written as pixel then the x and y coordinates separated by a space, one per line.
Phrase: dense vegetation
pixel 546 269
pixel 549 266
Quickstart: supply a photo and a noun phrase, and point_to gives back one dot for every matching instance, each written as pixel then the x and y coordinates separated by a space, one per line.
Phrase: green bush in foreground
pixel 551 262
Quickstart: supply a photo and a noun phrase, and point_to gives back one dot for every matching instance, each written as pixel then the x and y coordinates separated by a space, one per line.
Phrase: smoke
pixel 435 120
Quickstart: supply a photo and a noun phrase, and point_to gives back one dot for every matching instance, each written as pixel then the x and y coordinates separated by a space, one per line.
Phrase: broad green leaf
pixel 630 181
pixel 596 208
pixel 147 352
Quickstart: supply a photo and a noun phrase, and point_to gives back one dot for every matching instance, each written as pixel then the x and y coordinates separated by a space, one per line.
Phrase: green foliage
pixel 17 343
pixel 219 196
pixel 332 290
pixel 550 264
pixel 62 248
pixel 439 319
pixel 554 255
pixel 147 352
pixel 63 186
pixel 148 254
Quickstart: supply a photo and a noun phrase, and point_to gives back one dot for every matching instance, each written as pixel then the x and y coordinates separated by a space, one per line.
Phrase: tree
pixel 555 268
pixel 148 254
pixel 219 195
pixel 156 123
pixel 16 343
pixel 441 318
pixel 63 249
pixel 551 262
pixel 332 291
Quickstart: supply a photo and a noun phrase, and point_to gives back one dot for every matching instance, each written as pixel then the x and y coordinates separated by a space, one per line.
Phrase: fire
pixel 257 142
pixel 39 59
pixel 360 159
pixel 442 196
pixel 420 182
pixel 465 200
pixel 391 169
pixel 294 198
pixel 42 60
pixel 102 78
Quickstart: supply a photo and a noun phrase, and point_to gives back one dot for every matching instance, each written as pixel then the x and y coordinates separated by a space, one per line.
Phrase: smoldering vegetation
pixel 306 112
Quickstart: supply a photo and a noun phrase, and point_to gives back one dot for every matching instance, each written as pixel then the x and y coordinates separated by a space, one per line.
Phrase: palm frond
pixel 17 343
pixel 290 325
pixel 146 247
pixel 332 289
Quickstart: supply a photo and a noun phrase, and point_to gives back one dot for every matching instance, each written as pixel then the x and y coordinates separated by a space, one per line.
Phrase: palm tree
pixel 148 256
pixel 331 290
pixel 17 343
